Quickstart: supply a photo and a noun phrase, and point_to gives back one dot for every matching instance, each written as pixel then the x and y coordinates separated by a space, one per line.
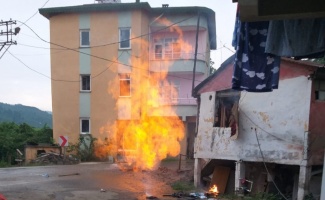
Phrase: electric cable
pixel 101 58
pixel 259 145
pixel 73 49
pixel 34 14
pixel 5 51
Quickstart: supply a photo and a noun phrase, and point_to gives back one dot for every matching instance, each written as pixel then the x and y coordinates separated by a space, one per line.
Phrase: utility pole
pixel 6 33
pixel 195 54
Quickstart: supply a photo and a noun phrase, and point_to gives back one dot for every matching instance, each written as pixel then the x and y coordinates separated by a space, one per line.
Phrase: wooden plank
pixel 220 178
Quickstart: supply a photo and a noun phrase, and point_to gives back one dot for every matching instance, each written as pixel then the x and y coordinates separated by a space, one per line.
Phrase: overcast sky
pixel 25 67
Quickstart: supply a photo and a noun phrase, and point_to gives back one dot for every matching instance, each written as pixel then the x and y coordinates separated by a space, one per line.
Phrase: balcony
pixel 178 101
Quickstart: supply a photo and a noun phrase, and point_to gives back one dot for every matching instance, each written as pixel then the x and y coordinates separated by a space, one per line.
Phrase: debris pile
pixel 54 158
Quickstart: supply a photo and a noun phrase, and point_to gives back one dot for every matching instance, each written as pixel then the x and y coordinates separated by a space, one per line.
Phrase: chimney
pixel 137 1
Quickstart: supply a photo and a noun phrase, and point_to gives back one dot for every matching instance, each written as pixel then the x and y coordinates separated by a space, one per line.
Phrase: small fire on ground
pixel 213 191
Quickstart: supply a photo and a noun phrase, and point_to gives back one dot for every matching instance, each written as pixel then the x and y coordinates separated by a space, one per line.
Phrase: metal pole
pixel 322 194
pixel 179 162
pixel 195 54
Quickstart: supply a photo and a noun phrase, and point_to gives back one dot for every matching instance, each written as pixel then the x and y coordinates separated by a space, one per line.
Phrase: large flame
pixel 153 130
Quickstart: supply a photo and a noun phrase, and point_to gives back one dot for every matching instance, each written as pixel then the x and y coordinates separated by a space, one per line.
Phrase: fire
pixel 214 189
pixel 147 130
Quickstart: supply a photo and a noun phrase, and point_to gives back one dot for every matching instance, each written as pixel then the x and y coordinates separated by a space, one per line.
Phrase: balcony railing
pixel 178 101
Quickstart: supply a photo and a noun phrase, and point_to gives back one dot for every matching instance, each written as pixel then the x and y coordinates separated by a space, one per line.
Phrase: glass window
pixel 85 126
pixel 84 38
pixel 85 83
pixel 125 85
pixel 167 48
pixel 125 34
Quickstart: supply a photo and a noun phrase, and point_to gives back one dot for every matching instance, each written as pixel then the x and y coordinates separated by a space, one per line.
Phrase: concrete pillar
pixel 322 194
pixel 197 172
pixel 239 174
pixel 304 178
pixel 304 172
pixel 295 186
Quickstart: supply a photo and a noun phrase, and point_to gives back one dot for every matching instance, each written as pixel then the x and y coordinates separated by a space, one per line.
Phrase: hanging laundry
pixel 254 70
pixel 299 38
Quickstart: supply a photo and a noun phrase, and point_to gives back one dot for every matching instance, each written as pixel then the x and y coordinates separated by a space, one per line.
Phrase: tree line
pixel 15 136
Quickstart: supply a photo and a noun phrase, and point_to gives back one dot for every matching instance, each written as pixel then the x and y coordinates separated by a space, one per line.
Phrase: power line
pixel 259 145
pixel 277 137
pixel 73 49
pixel 28 66
pixel 116 62
pixel 5 51
pixel 34 13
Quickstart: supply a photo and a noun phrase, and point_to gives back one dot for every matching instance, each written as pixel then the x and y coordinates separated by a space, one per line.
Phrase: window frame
pixel 124 40
pixel 82 76
pixel 169 45
pixel 81 125
pixel 226 111
pixel 81 31
pixel 175 91
pixel 124 77
pixel 318 89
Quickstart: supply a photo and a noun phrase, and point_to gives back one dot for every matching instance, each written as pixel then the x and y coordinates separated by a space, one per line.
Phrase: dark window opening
pixel 320 90
pixel 85 82
pixel 226 111
pixel 85 126
pixel 39 152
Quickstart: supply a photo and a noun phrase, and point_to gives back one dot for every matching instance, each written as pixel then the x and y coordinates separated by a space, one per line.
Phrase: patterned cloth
pixel 254 70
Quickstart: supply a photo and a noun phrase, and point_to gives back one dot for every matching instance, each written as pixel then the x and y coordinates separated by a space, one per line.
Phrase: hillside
pixel 25 114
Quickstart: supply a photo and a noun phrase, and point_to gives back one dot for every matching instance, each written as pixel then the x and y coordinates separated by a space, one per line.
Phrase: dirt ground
pixel 92 181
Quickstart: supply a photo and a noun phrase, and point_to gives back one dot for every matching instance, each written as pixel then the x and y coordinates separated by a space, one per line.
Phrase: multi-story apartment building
pixel 106 57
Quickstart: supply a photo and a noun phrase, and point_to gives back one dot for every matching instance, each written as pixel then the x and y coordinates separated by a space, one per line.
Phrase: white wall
pixel 279 117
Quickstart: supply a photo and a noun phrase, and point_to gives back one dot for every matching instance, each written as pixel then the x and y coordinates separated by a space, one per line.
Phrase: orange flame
pixel 214 189
pixel 147 131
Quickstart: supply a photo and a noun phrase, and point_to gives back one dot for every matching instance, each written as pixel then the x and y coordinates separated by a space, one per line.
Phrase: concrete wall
pixel 317 133
pixel 65 66
pixel 280 119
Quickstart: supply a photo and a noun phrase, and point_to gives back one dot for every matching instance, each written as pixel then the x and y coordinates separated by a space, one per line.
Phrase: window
pixel 175 90
pixel 320 90
pixel 85 126
pixel 125 85
pixel 158 51
pixel 167 48
pixel 84 38
pixel 125 34
pixel 85 83
pixel 226 111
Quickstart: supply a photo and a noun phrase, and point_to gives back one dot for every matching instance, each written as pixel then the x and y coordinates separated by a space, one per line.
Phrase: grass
pixel 183 186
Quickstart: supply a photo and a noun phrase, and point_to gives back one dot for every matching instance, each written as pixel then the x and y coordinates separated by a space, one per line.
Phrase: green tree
pixel 13 136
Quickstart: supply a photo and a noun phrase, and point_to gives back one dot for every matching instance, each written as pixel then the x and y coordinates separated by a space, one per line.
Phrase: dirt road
pixel 88 181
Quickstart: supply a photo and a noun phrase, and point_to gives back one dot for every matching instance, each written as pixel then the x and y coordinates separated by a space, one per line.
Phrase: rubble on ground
pixel 54 158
